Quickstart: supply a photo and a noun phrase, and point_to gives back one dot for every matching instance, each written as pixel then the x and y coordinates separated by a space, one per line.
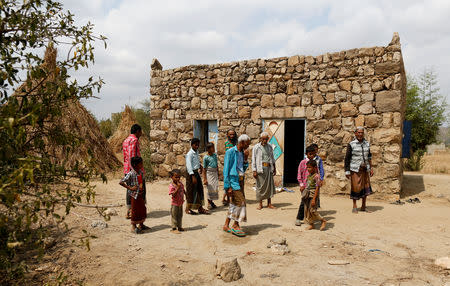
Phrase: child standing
pixel 176 190
pixel 302 176
pixel 310 195
pixel 319 166
pixel 211 175
pixel 135 184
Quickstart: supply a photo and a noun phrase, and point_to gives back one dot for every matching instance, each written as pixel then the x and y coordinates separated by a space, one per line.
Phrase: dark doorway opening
pixel 294 149
pixel 206 131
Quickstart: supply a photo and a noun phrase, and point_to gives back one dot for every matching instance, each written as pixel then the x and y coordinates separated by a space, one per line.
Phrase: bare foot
pixel 271 207
pixel 311 226
pixel 323 225
pixel 259 207
pixel 226 228
pixel 175 231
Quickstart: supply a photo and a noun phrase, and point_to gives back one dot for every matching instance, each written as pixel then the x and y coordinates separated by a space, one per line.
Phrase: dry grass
pixel 438 163
pixel 123 130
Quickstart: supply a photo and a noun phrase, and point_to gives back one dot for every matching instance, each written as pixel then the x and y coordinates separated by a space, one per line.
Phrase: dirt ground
pixel 393 245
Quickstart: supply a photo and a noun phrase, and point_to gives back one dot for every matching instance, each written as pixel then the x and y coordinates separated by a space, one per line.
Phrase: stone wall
pixel 334 92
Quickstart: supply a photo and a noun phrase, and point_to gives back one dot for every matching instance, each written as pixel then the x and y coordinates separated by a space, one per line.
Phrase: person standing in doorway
pixel 131 148
pixel 263 165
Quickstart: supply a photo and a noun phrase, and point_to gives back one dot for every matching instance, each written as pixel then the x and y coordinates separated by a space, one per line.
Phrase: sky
pixel 185 32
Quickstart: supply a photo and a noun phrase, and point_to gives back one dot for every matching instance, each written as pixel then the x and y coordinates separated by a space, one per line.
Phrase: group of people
pixel 200 173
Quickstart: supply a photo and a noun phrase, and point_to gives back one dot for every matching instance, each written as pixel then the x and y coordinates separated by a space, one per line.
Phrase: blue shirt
pixel 192 161
pixel 230 168
pixel 210 161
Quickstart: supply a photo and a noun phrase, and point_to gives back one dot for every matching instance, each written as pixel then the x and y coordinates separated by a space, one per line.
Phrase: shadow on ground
pixel 412 185
pixel 256 228
pixel 158 214
pixel 197 227
pixel 158 228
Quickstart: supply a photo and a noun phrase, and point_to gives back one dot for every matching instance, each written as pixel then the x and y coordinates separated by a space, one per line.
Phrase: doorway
pixel 294 148
pixel 206 131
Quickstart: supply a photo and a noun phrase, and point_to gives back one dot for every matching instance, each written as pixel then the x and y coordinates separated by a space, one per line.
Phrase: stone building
pixel 299 99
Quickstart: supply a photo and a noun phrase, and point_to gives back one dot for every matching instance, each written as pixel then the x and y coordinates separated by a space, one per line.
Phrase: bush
pixel 148 166
pixel 415 163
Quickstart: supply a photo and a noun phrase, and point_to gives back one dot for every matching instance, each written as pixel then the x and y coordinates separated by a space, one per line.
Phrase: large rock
pixel 253 131
pixel 336 154
pixel 388 101
pixel 244 112
pixel 266 101
pixel 293 100
pixel 228 271
pixel 318 98
pixel 157 135
pixel 372 120
pixel 266 113
pixel 195 103
pixel 256 117
pixel 391 135
pixel 345 85
pixel 299 112
pixel 293 61
pixel 348 109
pixel 443 262
pixel 280 99
pixel 330 110
pixel 388 68
pixel 234 88
pixel 366 108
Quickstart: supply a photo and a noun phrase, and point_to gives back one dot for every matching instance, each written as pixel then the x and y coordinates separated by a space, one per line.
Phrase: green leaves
pixel 426 109
pixel 37 187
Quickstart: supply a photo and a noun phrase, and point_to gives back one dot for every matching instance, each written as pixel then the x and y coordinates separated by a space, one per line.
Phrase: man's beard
pixel 233 141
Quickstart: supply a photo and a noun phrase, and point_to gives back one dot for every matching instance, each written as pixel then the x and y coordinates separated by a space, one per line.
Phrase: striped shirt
pixel 228 145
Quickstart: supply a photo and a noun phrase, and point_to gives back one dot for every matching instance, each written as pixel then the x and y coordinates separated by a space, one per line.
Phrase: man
pixel 263 166
pixel 131 148
pixel 230 143
pixel 358 168
pixel 232 140
pixel 234 168
pixel 194 187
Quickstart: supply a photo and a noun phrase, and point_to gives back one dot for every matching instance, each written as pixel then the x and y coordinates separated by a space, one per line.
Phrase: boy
pixel 319 166
pixel 135 184
pixel 211 175
pixel 176 191
pixel 310 195
pixel 302 175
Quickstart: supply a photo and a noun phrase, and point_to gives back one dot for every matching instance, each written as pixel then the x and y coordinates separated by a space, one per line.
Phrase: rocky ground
pixel 393 245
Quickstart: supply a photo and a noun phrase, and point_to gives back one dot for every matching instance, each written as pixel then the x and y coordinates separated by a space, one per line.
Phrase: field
pixel 393 245
pixel 438 163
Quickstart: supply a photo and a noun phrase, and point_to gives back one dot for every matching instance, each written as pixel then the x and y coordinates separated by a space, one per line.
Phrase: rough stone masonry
pixel 334 92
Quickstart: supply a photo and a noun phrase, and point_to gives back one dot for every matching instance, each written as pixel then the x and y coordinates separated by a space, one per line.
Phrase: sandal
pixel 203 211
pixel 365 210
pixel 137 230
pixel 238 232
pixel 191 212
pixel 355 210
pixel 144 227
pixel 411 201
pixel 398 202
pixel 416 200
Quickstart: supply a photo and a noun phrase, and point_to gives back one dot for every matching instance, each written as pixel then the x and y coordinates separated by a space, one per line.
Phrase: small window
pixel 206 131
